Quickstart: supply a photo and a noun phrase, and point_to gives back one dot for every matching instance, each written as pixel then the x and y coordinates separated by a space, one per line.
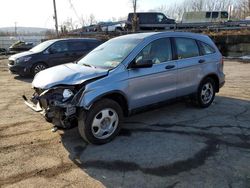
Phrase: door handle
pixel 170 66
pixel 202 61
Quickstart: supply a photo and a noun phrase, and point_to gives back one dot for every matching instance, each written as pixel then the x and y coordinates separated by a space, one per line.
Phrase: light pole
pixel 55 17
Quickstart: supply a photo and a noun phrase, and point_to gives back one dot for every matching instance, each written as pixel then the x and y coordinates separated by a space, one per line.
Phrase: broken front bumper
pixel 60 114
pixel 35 107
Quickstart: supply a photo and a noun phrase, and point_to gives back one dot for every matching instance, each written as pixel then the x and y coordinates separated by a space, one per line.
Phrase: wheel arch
pixel 216 80
pixel 118 97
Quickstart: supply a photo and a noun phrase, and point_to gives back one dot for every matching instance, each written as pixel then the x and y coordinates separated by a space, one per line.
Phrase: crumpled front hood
pixel 67 74
pixel 22 54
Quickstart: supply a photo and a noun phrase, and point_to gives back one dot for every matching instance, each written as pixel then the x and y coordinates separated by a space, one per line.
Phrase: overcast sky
pixel 39 13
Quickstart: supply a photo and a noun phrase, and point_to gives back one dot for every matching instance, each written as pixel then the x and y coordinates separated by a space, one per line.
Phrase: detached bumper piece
pixel 36 108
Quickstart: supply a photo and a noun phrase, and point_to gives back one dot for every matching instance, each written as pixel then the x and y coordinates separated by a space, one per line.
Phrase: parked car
pixel 112 26
pixel 50 53
pixel 90 28
pixel 124 75
pixel 150 21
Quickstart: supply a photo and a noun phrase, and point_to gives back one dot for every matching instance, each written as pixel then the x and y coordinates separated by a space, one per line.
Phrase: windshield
pixel 42 46
pixel 110 54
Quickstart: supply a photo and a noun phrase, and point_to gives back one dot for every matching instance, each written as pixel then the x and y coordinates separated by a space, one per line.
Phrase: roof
pixel 62 39
pixel 166 34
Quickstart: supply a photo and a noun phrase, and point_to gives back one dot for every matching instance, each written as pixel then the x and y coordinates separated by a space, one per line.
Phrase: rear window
pixel 186 48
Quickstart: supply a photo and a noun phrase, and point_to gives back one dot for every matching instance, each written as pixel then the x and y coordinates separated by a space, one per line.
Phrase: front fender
pixel 89 96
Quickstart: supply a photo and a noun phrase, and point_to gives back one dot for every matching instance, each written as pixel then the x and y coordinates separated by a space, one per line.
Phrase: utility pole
pixel 15 29
pixel 55 17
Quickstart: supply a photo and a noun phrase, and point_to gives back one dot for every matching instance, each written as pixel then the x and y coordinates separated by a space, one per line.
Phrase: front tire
pixel 206 93
pixel 101 123
pixel 37 68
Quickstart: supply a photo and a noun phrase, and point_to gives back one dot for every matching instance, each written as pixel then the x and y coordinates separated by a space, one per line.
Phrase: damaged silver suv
pixel 125 74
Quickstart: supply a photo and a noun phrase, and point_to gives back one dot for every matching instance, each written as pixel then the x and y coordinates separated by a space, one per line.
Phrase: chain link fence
pixel 7 41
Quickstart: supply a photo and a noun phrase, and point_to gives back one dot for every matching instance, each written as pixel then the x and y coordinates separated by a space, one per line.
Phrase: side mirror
pixel 142 64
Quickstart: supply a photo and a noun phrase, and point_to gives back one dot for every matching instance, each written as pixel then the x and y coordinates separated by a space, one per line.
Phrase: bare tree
pixel 174 11
pixel 245 7
pixel 91 19
pixel 82 21
pixel 68 25
pixel 197 5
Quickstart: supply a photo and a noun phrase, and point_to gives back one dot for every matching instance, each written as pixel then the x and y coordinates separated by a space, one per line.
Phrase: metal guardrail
pixel 195 27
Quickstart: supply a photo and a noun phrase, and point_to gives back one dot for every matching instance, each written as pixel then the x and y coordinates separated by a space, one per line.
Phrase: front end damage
pixel 57 105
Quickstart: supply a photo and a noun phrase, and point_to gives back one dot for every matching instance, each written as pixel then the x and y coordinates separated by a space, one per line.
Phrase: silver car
pixel 124 75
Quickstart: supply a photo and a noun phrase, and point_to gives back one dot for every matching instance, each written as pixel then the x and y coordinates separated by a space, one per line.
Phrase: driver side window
pixel 158 51
pixel 59 47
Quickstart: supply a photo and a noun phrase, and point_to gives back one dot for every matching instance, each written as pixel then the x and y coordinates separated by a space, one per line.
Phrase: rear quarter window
pixel 206 49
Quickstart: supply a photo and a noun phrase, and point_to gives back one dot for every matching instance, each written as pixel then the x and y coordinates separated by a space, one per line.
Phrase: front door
pixel 157 83
pixel 58 53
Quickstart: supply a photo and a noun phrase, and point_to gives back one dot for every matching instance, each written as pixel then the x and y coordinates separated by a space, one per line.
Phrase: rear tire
pixel 206 93
pixel 101 123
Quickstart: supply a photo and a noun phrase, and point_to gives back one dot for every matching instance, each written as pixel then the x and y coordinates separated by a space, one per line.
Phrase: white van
pixel 205 16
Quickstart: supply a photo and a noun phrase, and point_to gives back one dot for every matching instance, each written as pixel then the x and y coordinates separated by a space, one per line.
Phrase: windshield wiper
pixel 87 65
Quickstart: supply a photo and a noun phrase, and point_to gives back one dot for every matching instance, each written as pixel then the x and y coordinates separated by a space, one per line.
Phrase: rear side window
pixel 186 48
pixel 77 46
pixel 206 49
pixel 145 18
pixel 158 51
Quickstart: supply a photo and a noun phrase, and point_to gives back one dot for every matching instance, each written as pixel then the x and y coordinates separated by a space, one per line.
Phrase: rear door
pixel 77 49
pixel 189 65
pixel 157 83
